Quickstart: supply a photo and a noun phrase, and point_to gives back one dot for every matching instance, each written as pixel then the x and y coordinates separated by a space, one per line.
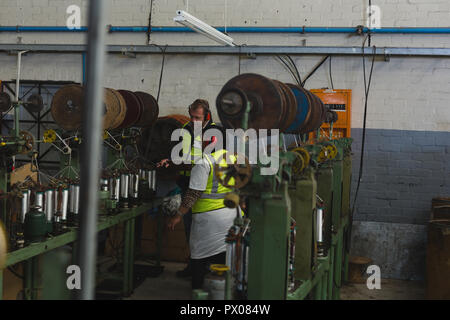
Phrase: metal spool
pixel 267 99
pixel 158 137
pixel 112 109
pixel 67 107
pixel 303 112
pixel 5 102
pixel 150 111
pixel 35 103
pixel 318 112
pixel 134 109
pixel 290 110
pixel 120 108
pixel 68 103
pixel 274 105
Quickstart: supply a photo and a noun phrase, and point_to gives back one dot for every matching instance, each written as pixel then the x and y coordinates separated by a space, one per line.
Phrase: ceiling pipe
pixel 301 30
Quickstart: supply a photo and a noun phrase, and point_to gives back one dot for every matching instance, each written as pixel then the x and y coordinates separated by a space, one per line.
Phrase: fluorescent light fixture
pixel 195 24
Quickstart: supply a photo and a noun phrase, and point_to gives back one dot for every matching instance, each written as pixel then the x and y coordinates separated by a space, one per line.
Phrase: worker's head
pixel 199 111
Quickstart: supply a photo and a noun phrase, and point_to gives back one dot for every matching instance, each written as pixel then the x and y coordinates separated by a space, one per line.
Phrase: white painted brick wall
pixel 409 93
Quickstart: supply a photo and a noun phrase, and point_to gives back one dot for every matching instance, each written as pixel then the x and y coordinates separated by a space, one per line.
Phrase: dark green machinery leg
pixel 27 279
pixel 303 202
pixel 346 256
pixel 331 273
pixel 126 258
pixel 268 263
pixel 336 220
pixel 324 285
pixel 30 280
pixel 132 250
pixel 318 290
pixel 338 268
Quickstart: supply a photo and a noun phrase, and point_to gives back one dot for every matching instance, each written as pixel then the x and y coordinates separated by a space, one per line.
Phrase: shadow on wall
pixel 398 249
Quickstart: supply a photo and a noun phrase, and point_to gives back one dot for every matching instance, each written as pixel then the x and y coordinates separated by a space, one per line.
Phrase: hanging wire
pixel 289 68
pixel 295 67
pixel 331 76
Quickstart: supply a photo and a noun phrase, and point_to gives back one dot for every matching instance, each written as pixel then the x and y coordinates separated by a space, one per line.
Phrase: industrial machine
pixel 43 214
pixel 291 244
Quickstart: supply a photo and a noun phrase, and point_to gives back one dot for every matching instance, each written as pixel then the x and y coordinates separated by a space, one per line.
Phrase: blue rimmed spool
pixel 303 109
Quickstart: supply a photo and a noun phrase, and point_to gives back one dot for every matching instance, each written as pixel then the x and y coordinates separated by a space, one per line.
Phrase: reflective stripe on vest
pixel 212 197
pixel 191 151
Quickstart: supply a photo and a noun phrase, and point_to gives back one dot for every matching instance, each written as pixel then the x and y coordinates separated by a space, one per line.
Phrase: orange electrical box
pixel 339 100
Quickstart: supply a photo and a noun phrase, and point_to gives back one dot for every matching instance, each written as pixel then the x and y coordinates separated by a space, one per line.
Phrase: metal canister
pixel 55 206
pixel 49 204
pixel 152 180
pixel 39 201
pixel 134 185
pixel 114 188
pixel 74 195
pixel 104 185
pixel 64 203
pixel 29 199
pixel 124 185
pixel 319 231
pixel 230 256
pixel 143 175
pixel 24 205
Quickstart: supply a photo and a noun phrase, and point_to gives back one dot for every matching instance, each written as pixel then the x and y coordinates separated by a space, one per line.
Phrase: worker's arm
pixel 197 185
pixel 187 202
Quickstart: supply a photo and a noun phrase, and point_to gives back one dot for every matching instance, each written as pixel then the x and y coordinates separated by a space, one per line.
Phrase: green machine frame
pixel 274 201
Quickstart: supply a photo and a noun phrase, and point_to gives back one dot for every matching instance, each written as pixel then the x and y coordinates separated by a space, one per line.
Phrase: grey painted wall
pixel 403 171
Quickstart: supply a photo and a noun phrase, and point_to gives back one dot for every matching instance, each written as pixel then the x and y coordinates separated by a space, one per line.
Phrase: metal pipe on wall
pixel 303 29
pixel 90 156
pixel 269 50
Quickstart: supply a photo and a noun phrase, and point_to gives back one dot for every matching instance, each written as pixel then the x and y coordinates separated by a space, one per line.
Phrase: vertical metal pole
pixel 91 149
pixel 16 107
pixel 228 284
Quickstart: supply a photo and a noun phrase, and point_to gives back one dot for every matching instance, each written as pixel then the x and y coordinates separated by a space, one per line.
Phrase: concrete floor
pixel 168 287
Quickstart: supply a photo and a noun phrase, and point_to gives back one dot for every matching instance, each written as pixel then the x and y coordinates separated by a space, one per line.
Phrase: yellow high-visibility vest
pixel 191 151
pixel 212 197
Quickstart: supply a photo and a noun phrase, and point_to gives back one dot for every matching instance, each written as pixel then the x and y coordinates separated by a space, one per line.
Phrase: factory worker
pixel 211 220
pixel 192 147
